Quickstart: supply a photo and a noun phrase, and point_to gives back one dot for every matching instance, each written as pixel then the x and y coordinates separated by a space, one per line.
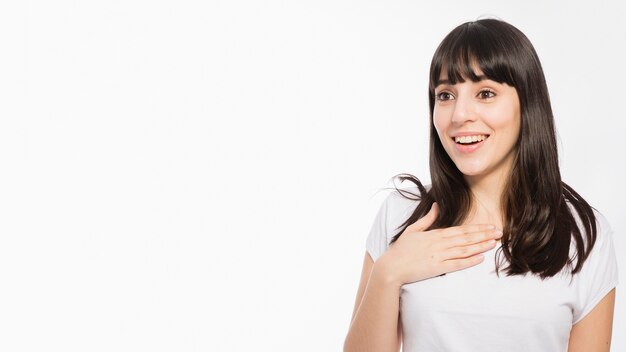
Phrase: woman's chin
pixel 472 173
pixel 471 170
pixel 475 174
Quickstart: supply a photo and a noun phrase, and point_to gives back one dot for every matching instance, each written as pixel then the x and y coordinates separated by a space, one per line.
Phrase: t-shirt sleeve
pixel 599 274
pixel 393 212
pixel 377 242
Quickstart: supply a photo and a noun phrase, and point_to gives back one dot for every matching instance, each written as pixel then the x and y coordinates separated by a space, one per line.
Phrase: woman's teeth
pixel 470 139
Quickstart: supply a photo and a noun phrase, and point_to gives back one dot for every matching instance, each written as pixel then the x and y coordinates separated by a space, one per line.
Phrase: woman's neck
pixel 486 200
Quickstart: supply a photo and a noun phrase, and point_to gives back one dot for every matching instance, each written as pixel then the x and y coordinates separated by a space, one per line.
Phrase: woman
pixel 498 254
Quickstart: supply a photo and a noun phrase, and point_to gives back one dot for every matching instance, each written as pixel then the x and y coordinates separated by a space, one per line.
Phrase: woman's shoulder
pixel 400 200
pixel 599 272
pixel 400 205
pixel 397 207
pixel 602 249
pixel 603 226
pixel 604 233
pixel 601 220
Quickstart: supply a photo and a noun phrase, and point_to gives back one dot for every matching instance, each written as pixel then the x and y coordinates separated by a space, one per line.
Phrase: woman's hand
pixel 419 254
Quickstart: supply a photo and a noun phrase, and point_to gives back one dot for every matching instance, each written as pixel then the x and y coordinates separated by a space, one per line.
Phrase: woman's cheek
pixel 441 130
pixel 437 124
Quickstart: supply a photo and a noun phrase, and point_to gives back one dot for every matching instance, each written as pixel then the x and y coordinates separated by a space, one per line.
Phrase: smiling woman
pixel 432 277
pixel 478 124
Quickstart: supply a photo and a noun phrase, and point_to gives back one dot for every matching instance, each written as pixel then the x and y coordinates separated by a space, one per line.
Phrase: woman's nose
pixel 463 111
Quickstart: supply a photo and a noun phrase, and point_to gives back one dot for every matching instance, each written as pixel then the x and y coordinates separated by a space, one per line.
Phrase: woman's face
pixel 478 124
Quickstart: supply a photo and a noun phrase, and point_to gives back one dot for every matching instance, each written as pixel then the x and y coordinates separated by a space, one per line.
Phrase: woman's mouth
pixel 470 139
pixel 468 144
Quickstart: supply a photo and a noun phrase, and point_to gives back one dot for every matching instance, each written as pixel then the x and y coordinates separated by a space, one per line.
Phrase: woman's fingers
pixel 421 254
pixel 469 251
pixel 469 238
pixel 465 229
pixel 463 263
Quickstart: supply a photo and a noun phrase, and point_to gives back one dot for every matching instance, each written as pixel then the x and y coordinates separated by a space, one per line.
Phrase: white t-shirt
pixel 475 310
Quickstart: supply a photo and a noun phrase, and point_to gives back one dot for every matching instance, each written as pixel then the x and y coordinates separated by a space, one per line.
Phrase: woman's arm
pixel 593 332
pixel 417 255
pixel 375 319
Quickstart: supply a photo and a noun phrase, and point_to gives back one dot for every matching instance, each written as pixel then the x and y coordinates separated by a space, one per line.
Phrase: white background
pixel 201 176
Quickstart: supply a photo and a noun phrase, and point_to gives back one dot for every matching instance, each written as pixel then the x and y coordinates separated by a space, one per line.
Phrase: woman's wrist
pixel 384 275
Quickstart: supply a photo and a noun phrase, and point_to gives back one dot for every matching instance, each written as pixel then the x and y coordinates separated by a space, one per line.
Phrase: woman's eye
pixel 444 96
pixel 486 94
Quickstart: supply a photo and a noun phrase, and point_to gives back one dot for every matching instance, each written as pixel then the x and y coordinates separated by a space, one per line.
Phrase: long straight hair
pixel 538 222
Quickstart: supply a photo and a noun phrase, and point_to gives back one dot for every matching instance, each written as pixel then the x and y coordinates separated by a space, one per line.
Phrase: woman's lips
pixel 469 148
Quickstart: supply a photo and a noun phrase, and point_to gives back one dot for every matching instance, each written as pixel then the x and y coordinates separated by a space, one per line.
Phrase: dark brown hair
pixel 538 222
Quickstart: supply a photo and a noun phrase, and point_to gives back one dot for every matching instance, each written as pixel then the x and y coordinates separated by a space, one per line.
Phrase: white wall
pixel 193 176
